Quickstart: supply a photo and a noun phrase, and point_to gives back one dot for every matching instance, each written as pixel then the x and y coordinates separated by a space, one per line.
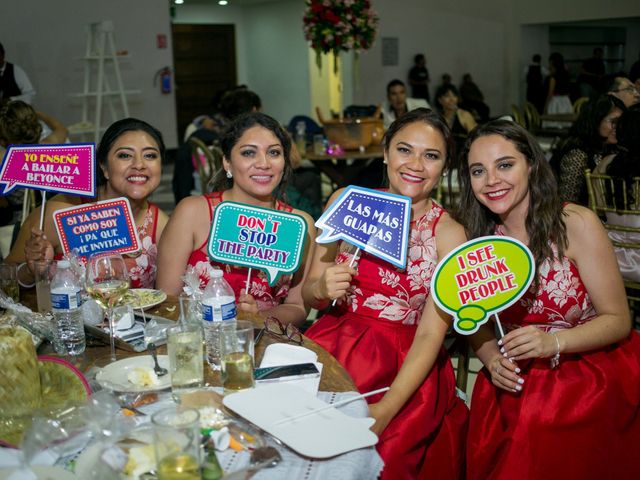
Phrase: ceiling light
pixel 178 2
pixel 222 2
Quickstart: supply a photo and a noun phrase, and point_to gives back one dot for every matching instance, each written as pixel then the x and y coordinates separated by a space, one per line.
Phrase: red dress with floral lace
pixel 265 295
pixel 580 420
pixel 370 334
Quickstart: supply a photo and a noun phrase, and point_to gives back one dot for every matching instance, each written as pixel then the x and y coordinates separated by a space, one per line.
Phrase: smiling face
pixel 397 97
pixel 499 176
pixel 607 128
pixel 257 164
pixel 449 100
pixel 415 160
pixel 133 166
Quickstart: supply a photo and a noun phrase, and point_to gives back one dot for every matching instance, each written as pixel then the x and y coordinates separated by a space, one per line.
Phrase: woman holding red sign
pixel 559 396
pixel 129 158
pixel 385 329
pixel 257 165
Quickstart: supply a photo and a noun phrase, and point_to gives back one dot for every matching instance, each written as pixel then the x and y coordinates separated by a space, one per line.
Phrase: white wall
pixel 45 38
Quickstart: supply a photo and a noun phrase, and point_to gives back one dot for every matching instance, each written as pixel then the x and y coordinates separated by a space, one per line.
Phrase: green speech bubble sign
pixel 482 277
pixel 256 237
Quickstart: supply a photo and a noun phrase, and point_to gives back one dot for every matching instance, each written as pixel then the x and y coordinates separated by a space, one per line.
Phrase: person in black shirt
pixel 419 78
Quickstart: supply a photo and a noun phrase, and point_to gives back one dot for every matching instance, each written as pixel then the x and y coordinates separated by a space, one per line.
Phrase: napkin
pixel 278 354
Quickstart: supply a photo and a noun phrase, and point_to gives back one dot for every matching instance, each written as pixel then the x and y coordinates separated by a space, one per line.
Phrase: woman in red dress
pixel 256 167
pixel 385 329
pixel 559 394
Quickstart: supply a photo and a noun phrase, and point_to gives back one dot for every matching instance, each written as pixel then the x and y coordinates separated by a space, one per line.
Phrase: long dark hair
pixel 583 134
pixel 117 129
pixel 544 221
pixel 626 164
pixel 232 134
pixel 430 117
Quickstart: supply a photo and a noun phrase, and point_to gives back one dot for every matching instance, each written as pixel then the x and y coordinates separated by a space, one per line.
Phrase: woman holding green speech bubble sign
pixel 559 396
pixel 256 167
pixel 385 329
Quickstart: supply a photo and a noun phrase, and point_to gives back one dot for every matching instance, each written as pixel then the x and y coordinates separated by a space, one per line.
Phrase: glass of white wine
pixel 107 282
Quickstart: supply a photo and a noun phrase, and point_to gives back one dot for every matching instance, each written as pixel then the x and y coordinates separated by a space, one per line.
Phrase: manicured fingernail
pixel 504 355
pixel 502 350
pixel 521 381
pixel 518 387
pixel 510 360
pixel 517 368
pixel 500 342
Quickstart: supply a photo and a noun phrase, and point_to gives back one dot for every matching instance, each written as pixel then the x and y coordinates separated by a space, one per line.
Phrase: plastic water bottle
pixel 66 301
pixel 218 315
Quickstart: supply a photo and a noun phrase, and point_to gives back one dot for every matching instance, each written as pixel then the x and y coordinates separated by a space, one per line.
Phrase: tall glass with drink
pixel 44 271
pixel 185 348
pixel 237 352
pixel 177 443
pixel 9 281
pixel 107 282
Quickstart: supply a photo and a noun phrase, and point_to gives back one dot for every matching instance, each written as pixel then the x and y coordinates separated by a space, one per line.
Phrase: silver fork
pixel 160 371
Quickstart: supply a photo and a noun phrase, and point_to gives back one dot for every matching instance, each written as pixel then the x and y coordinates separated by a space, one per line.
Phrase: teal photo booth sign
pixel 257 237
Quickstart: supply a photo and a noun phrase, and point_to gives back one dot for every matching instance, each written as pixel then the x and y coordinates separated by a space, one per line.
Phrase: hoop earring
pixel 229 174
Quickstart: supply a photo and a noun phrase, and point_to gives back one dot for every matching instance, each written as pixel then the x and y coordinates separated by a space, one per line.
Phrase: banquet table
pixel 334 377
pixel 342 169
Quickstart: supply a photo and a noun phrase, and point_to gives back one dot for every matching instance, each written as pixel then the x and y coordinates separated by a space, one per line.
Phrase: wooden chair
pixel 602 200
pixel 208 161
pixel 532 118
pixel 578 104
pixel 518 116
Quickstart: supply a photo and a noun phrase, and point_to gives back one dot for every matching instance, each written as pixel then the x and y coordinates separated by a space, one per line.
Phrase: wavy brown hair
pixel 19 123
pixel 544 222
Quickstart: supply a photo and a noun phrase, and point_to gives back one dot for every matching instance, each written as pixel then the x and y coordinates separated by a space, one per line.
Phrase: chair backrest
pixel 532 117
pixel 579 103
pixel 311 126
pixel 207 160
pixel 609 194
pixel 517 115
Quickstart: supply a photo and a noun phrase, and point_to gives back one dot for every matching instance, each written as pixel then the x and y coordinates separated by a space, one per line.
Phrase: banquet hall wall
pixel 458 36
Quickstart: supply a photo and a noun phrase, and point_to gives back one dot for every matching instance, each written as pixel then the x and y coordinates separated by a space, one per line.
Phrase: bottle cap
pixel 216 273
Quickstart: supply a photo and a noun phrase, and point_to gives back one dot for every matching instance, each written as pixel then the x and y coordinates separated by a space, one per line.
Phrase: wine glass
pixel 107 282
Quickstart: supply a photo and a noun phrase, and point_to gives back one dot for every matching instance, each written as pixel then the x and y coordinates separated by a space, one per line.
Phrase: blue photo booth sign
pixel 375 221
pixel 106 226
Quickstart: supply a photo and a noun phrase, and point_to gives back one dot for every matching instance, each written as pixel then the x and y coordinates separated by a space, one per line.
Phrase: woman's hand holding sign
pixel 334 282
pixel 529 342
pixel 504 374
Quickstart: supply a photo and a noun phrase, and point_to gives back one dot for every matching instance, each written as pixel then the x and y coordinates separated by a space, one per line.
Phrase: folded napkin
pixel 278 354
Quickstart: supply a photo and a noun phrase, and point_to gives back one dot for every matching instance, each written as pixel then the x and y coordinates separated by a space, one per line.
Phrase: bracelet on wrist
pixel 23 285
pixel 555 360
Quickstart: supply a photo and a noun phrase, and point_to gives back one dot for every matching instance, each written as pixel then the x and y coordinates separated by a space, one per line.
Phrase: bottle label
pixel 66 300
pixel 218 313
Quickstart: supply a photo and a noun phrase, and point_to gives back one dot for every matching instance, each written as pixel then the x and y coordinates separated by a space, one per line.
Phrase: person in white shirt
pixel 14 83
pixel 397 103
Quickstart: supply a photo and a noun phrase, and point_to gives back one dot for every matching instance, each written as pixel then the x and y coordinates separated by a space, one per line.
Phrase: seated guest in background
pixel 591 137
pixel 129 158
pixel 209 129
pixel 14 83
pixel 21 124
pixel 419 78
pixel 397 103
pixel 460 121
pixel 559 394
pixel 625 90
pixel 624 166
pixel 473 99
pixel 385 329
pixel 257 165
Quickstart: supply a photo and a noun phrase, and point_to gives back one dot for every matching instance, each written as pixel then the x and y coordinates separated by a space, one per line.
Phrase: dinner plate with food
pixel 134 374
pixel 144 298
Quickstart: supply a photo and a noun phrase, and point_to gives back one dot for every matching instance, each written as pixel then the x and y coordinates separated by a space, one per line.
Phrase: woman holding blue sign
pixel 559 396
pixel 257 165
pixel 129 158
pixel 386 329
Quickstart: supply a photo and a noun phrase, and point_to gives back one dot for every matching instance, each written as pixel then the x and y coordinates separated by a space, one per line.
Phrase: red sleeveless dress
pixel 580 420
pixel 370 334
pixel 265 295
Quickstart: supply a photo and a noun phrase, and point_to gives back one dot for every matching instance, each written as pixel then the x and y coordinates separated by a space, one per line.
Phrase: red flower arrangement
pixel 339 25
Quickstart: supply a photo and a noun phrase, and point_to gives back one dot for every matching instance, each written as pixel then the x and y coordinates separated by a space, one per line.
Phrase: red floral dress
pixel 370 334
pixel 266 296
pixel 580 420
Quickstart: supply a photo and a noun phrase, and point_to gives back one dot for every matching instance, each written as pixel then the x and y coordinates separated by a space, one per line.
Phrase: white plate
pixel 144 298
pixel 322 435
pixel 114 375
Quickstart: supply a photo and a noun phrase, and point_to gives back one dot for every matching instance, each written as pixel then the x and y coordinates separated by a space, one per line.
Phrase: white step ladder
pixel 101 68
